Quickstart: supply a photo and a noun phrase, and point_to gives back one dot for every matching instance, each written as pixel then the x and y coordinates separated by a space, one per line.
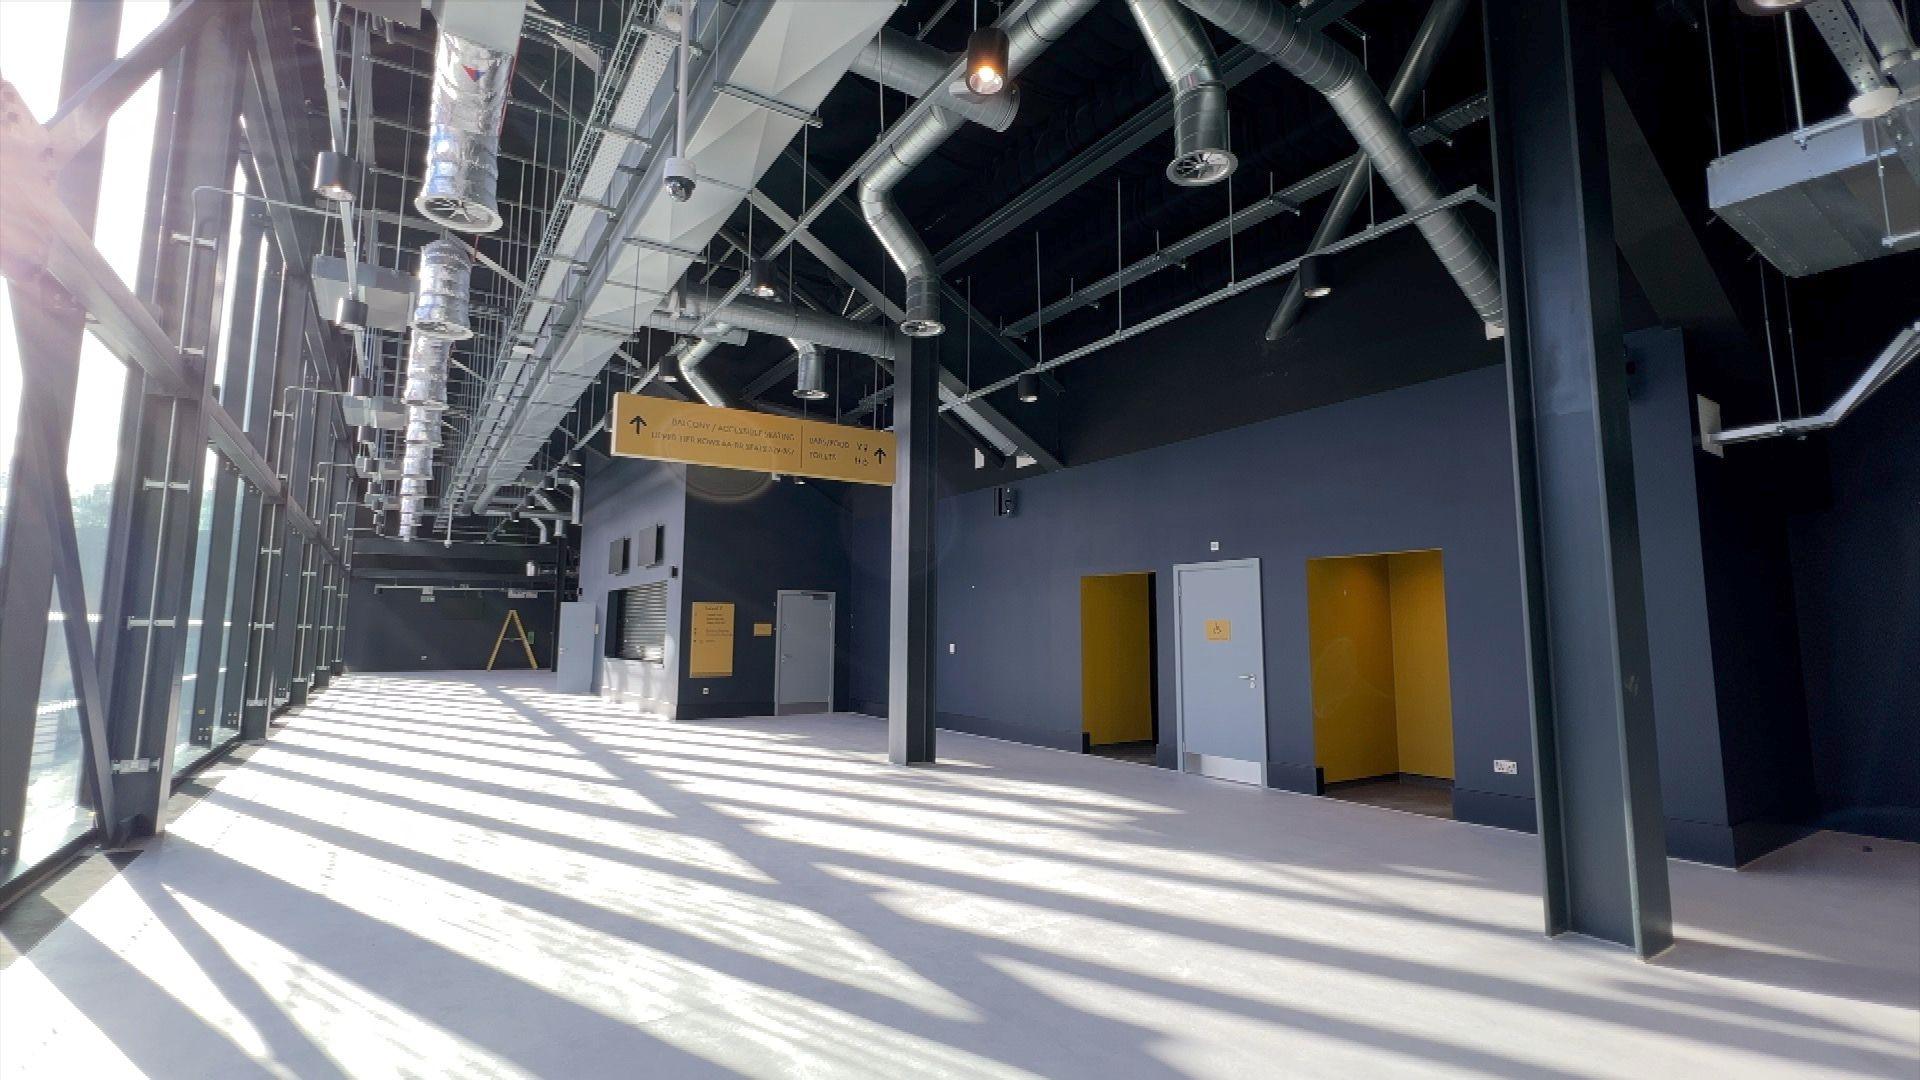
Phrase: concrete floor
pixel 472 876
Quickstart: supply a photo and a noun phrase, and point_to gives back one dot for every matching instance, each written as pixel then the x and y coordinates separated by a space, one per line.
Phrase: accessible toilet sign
pixel 697 434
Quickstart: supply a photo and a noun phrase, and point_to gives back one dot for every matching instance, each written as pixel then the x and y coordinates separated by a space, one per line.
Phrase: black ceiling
pixel 1401 320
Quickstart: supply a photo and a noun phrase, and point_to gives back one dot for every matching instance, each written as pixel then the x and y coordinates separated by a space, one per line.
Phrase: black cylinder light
pixel 760 280
pixel 1314 283
pixel 1027 388
pixel 987 61
pixel 333 176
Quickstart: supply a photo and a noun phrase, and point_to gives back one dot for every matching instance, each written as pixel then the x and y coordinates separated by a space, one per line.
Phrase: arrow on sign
pixel 638 422
pixel 879 455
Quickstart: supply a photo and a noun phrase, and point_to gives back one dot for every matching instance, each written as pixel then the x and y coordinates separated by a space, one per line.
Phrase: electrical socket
pixel 1507 766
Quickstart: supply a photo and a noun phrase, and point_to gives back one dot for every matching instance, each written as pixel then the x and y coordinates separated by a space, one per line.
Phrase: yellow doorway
pixel 1382 699
pixel 1116 664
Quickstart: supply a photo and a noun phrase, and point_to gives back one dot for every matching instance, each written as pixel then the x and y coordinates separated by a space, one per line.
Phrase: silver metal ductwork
pixel 1027 37
pixel 423 426
pixel 1271 28
pixel 1833 194
pixel 779 320
pixel 417 461
pixel 426 384
pixel 1185 58
pixel 1443 17
pixel 900 62
pixel 690 360
pixel 446 274
pixel 470 83
pixel 810 381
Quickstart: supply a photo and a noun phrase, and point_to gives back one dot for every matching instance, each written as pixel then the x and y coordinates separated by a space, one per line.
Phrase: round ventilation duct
pixel 426 384
pixel 423 427
pixel 810 383
pixel 470 83
pixel 417 460
pixel 440 310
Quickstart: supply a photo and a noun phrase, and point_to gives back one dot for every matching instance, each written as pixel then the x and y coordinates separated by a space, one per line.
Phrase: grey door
pixel 1220 665
pixel 573 666
pixel 803 652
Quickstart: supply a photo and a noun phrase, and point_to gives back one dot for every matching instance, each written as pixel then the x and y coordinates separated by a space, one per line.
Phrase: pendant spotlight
pixel 1770 7
pixel 760 280
pixel 333 176
pixel 1027 388
pixel 1313 284
pixel 668 370
pixel 987 61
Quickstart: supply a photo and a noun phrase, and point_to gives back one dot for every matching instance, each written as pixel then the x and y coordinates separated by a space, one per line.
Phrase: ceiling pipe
pixel 810 382
pixel 1185 58
pixel 780 320
pixel 1028 36
pixel 1270 28
pixel 541 524
pixel 900 62
pixel 1443 17
pixel 703 388
pixel 573 485
pixel 559 521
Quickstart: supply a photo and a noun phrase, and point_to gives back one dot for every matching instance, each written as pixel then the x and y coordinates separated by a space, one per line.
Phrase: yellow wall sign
pixel 698 434
pixel 763 629
pixel 1219 630
pixel 710 641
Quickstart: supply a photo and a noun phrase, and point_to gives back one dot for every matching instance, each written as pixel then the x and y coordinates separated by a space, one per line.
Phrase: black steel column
pixel 183 277
pixel 1594 753
pixel 910 625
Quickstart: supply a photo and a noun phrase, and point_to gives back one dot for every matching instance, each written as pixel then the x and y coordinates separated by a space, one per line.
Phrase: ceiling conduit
pixel 779 320
pixel 1185 58
pixel 900 62
pixel 1027 38
pixel 1310 56
pixel 1443 17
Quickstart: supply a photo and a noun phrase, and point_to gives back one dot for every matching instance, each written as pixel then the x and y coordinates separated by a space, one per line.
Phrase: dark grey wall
pixel 391 630
pixel 622 498
pixel 1424 466
pixel 748 537
pixel 1857 590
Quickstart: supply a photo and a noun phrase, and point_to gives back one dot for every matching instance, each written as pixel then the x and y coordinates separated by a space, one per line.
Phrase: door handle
pixel 1251 681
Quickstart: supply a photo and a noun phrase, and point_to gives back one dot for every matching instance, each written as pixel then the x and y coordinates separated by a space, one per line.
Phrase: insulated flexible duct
pixel 417 460
pixel 470 83
pixel 1310 56
pixel 1027 37
pixel 1186 60
pixel 426 384
pixel 423 426
pixel 900 62
pixel 440 310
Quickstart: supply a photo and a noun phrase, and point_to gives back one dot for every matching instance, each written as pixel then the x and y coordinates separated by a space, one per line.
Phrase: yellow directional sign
pixel 697 434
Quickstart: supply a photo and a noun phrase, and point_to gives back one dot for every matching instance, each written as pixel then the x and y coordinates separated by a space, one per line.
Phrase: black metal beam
pixel 910 618
pixel 1597 779
pixel 184 280
pixel 50 332
pixel 82 117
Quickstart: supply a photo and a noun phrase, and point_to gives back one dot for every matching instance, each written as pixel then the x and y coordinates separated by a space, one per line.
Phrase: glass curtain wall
pixel 262 342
